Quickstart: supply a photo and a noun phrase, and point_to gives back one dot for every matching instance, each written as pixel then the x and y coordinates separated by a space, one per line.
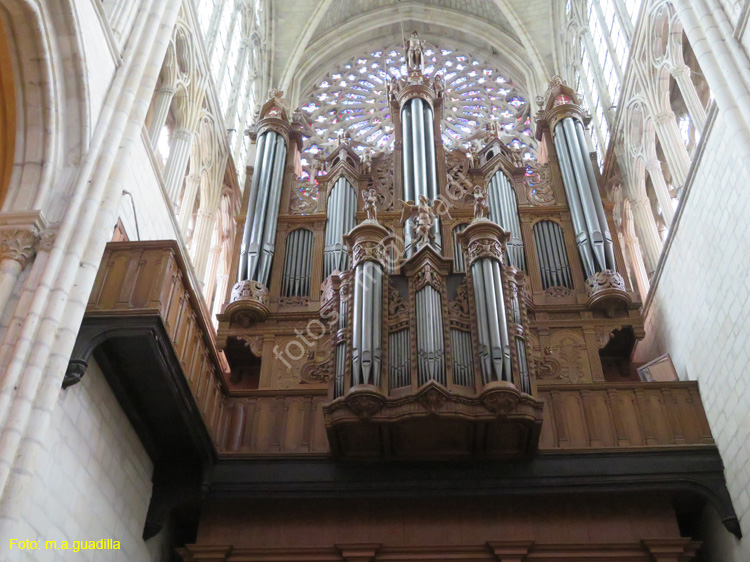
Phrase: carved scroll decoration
pixel 381 180
pixel 538 186
pixel 301 203
pixel 459 186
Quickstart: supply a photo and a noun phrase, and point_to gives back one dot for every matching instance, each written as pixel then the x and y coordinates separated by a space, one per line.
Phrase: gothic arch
pixel 52 124
pixel 374 29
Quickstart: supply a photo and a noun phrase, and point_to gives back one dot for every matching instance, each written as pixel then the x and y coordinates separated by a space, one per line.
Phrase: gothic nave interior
pixel 374 280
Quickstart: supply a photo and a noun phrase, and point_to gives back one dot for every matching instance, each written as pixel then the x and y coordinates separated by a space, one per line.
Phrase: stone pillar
pixel 161 110
pixel 179 155
pixel 693 103
pixel 17 249
pixel 653 167
pixel 192 183
pixel 639 267
pixel 121 13
pixel 672 145
pixel 200 246
pixel 648 233
pixel 723 61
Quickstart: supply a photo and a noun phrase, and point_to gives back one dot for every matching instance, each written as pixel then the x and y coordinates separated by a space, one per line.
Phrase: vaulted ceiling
pixel 312 36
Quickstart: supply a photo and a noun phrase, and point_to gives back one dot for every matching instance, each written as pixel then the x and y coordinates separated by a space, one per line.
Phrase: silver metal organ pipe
pixel 596 197
pixel 429 128
pixel 377 321
pixel 562 257
pixel 366 344
pixel 367 327
pixel 574 201
pixel 523 365
pixel 482 322
pixel 257 218
pixel 408 157
pixel 269 232
pixel 417 133
pixel 252 199
pixel 357 327
pixel 259 215
pixel 504 211
pixel 595 235
pixel 502 321
pixel 493 310
pixel 552 257
pixel 341 213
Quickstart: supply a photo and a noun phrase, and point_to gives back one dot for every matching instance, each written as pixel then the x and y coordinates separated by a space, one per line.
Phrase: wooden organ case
pixel 429 356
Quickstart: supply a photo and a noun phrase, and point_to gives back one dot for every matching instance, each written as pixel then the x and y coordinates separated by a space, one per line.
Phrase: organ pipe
pixel 399 359
pixel 367 323
pixel 256 252
pixel 295 281
pixel 494 343
pixel 461 353
pixel 430 344
pixel 341 213
pixel 553 259
pixel 419 161
pixel 504 211
pixel 593 238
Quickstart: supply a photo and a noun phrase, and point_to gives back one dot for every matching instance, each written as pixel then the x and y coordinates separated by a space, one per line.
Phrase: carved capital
pixel 18 244
pixel 368 251
pixel 249 290
pixel 663 116
pixel 484 248
pixel 603 280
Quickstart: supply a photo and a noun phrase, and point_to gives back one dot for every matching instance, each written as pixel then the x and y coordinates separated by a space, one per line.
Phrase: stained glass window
pixel 352 97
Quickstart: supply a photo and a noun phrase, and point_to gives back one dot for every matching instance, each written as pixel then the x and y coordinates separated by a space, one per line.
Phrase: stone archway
pixel 7 115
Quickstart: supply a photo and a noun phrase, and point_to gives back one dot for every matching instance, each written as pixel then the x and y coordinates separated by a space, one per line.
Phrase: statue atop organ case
pixel 428 338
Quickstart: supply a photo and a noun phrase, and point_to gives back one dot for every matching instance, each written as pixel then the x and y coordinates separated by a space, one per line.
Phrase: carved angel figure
pixel 481 207
pixel 439 85
pixel 370 197
pixel 414 53
pixel 367 162
pixel 423 214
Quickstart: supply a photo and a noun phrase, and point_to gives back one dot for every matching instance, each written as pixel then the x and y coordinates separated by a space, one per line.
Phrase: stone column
pixel 121 13
pixel 201 244
pixel 179 155
pixel 723 61
pixel 695 108
pixel 161 110
pixel 672 145
pixel 639 267
pixel 648 233
pixel 192 183
pixel 17 249
pixel 653 167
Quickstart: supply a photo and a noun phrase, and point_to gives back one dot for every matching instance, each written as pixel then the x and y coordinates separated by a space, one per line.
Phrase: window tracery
pixel 352 98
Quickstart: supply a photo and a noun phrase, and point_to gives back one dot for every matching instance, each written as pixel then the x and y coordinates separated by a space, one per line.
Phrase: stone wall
pixel 93 482
pixel 699 313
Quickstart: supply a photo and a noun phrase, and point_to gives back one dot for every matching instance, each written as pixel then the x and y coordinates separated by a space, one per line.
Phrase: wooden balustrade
pixel 609 415
pixel 150 279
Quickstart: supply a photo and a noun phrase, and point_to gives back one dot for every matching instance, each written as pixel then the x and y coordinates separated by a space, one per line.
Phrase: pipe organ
pixel 439 300
pixel 430 306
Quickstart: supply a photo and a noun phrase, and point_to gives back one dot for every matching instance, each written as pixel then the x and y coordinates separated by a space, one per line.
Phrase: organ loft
pixel 426 354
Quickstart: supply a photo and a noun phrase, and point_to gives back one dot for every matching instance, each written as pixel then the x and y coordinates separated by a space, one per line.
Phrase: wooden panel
pixel 625 415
